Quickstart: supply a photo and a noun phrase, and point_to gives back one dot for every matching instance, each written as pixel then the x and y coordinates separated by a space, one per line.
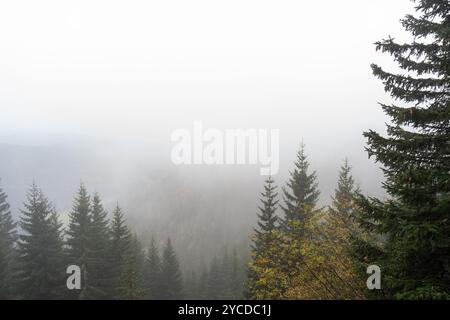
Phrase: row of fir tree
pixel 307 252
pixel 324 253
pixel 113 262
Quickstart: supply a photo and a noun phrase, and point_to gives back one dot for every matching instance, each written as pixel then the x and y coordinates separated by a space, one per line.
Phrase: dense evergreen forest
pixel 298 250
pixel 323 253
pixel 114 264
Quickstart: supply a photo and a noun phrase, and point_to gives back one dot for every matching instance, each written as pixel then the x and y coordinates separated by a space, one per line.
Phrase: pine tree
pixel 171 278
pixel 79 240
pixel 267 218
pixel 267 223
pixel 8 254
pixel 415 255
pixel 98 252
pixel 301 193
pixel 152 272
pixel 132 288
pixel 41 257
pixel 58 254
pixel 119 252
pixel 342 205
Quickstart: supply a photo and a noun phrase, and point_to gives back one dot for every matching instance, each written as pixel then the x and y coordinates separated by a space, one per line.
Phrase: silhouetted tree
pixel 8 254
pixel 42 268
pixel 171 278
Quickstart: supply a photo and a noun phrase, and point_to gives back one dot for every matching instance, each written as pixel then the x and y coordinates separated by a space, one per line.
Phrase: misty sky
pixel 131 67
pixel 137 70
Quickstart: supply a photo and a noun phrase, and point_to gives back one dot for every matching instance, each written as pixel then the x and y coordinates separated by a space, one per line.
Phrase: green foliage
pixel 40 247
pixel 8 254
pixel 152 272
pixel 79 240
pixel 267 218
pixel 308 262
pixel 343 200
pixel 120 247
pixel 262 238
pixel 414 255
pixel 224 279
pixel 132 287
pixel 99 268
pixel 301 191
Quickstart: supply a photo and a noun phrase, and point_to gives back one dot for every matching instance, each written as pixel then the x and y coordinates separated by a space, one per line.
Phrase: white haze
pixel 98 87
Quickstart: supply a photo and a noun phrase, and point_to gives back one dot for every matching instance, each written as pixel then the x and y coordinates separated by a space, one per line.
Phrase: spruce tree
pixel 99 268
pixel 41 257
pixel 267 218
pixel 171 278
pixel 267 223
pixel 301 193
pixel 132 287
pixel 415 155
pixel 79 240
pixel 342 205
pixel 8 254
pixel 58 254
pixel 152 272
pixel 119 253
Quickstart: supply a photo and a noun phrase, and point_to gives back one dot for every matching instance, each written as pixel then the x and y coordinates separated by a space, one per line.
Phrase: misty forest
pixel 289 244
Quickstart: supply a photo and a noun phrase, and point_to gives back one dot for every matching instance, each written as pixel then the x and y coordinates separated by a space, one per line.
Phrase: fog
pixel 92 90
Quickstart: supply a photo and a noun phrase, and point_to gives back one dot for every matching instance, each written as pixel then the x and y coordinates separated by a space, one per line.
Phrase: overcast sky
pixel 136 66
pixel 137 70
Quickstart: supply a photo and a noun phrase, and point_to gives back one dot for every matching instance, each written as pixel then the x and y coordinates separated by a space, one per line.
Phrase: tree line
pixel 304 252
pixel 113 263
pixel 307 251
pixel 323 253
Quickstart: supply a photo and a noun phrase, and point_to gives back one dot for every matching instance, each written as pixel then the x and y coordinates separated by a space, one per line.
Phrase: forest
pixel 298 249
pixel 113 262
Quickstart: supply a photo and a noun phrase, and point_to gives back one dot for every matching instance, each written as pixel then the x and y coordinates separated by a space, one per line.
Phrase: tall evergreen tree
pixel 119 253
pixel 8 254
pixel 42 272
pixel 220 279
pixel 99 268
pixel 79 240
pixel 267 223
pixel 267 218
pixel 171 278
pixel 152 272
pixel 301 193
pixel 132 287
pixel 55 240
pixel 342 205
pixel 415 256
